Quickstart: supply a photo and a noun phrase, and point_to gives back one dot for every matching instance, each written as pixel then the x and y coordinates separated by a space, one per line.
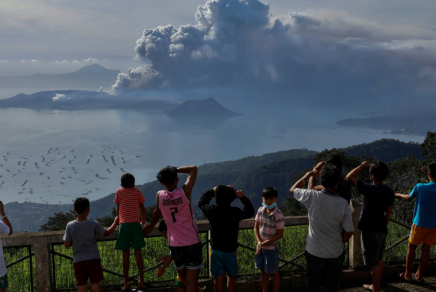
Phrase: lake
pixel 55 156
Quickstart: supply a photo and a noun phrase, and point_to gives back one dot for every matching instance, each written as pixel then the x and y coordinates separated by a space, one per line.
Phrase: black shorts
pixel 190 256
pixel 373 247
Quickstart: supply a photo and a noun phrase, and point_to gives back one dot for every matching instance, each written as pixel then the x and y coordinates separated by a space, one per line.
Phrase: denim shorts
pixel 268 260
pixel 224 262
pixel 373 247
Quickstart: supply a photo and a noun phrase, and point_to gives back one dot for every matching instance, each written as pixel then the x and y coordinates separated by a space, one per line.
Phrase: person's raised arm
pixel 205 199
pixel 302 181
pixel 190 180
pixel 154 218
pixel 248 210
pixel 111 229
pixel 352 175
pixel 312 179
pixel 5 218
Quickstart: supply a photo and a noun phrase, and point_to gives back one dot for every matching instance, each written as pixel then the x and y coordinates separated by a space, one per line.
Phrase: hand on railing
pixel 159 272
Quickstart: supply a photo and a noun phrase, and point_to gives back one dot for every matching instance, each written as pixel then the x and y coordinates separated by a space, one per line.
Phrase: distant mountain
pixel 203 108
pixel 89 77
pixel 82 100
pixel 250 174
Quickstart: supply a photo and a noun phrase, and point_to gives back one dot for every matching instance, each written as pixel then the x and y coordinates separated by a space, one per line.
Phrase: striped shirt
pixel 128 200
pixel 268 225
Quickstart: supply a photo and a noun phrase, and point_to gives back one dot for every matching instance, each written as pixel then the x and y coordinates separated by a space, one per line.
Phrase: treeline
pixel 281 169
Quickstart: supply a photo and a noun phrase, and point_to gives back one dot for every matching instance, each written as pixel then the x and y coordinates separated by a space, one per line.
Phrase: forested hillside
pixel 250 174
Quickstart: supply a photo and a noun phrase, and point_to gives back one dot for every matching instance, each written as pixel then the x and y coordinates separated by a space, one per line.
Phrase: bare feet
pixel 368 287
pixel 126 286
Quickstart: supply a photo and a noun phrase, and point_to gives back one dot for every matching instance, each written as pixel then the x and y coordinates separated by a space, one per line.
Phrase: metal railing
pixel 54 269
pixel 21 268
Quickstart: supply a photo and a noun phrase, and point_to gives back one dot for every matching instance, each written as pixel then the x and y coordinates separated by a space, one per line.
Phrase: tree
pixel 58 221
pixel 429 146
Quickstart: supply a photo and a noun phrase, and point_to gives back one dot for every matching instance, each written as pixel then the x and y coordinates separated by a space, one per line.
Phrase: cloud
pixel 4 61
pixel 90 60
pixel 237 43
pixel 34 61
pixel 60 97
pixel 23 61
pixel 76 62
pixel 62 62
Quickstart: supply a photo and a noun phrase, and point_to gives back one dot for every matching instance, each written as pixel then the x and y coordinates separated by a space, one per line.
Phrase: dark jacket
pixel 224 219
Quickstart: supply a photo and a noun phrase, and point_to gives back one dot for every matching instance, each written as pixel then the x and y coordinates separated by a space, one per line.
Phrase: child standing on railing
pixel 80 234
pixel 129 201
pixel 268 229
pixel 5 230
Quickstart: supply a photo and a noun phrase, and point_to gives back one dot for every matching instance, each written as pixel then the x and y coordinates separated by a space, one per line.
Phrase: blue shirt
pixel 424 214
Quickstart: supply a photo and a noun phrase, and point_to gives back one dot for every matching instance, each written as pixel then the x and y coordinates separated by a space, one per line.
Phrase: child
pixel 180 282
pixel 5 230
pixel 224 220
pixel 176 207
pixel 80 234
pixel 423 230
pixel 130 232
pixel 268 229
pixel 378 199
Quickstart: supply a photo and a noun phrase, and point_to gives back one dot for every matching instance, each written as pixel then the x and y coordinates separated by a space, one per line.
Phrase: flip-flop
pixel 401 276
pixel 366 287
pixel 414 281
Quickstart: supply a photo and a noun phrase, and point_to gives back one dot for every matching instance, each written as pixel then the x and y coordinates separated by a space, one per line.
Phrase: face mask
pixel 272 206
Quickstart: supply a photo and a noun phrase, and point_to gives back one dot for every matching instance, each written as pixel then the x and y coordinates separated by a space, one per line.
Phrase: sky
pixel 58 30
pixel 377 48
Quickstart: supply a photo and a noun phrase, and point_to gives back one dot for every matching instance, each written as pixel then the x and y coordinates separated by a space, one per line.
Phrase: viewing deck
pixel 39 261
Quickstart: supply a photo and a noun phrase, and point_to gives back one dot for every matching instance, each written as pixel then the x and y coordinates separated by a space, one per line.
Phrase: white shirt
pixel 4 231
pixel 329 217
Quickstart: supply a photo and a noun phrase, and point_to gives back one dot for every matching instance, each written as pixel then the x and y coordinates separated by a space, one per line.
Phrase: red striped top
pixel 128 200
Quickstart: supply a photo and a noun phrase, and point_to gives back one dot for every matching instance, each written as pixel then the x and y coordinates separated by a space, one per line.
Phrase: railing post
pixel 42 264
pixel 355 249
pixel 209 250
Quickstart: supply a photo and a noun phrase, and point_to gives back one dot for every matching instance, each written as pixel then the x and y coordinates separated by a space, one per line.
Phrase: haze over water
pixel 55 156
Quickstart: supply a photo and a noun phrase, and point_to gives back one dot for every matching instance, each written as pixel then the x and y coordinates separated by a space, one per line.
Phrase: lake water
pixel 55 156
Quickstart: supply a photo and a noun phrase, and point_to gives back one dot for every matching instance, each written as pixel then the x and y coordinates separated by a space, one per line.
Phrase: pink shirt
pixel 179 216
pixel 268 225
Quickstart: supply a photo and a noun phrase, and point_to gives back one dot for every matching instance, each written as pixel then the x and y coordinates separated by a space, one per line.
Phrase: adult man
pixel 424 224
pixel 330 226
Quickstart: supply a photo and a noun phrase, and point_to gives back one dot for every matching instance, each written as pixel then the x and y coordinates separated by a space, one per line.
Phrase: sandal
pixel 367 287
pixel 415 281
pixel 402 278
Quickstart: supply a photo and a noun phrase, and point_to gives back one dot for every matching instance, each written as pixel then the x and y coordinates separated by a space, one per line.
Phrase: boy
pixel 330 226
pixel 128 199
pixel 378 199
pixel 268 229
pixel 5 230
pixel 224 220
pixel 174 204
pixel 80 234
pixel 180 283
pixel 424 224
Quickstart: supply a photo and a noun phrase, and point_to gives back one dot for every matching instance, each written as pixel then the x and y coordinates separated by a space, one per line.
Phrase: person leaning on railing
pixel 5 230
pixel 330 226
pixel 424 224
